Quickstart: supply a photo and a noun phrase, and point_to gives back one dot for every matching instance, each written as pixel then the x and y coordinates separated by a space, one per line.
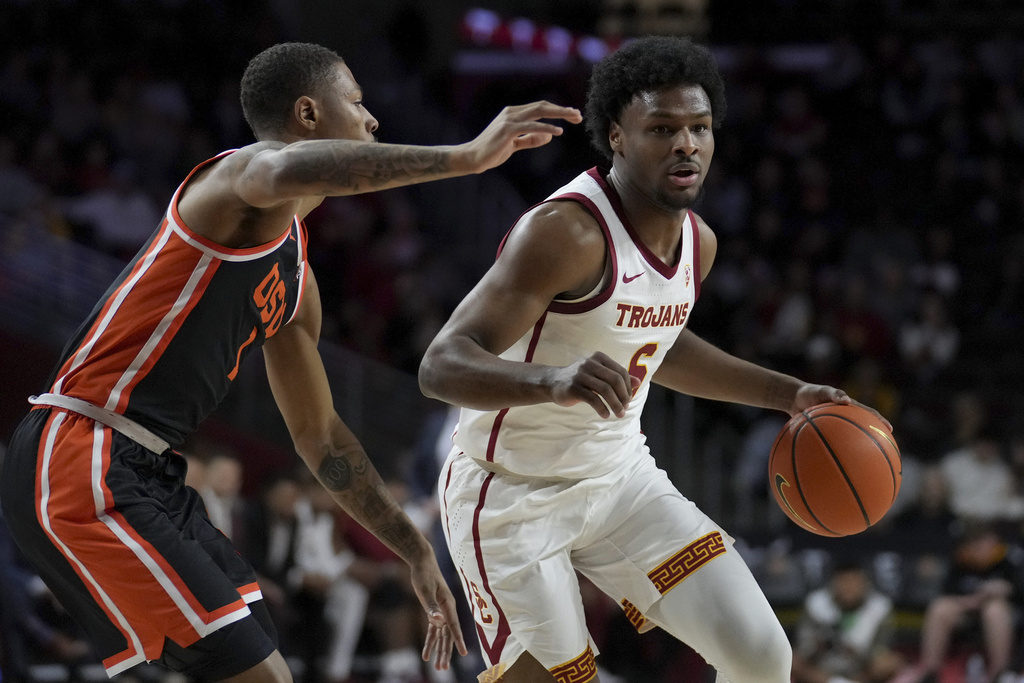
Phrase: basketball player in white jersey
pixel 551 357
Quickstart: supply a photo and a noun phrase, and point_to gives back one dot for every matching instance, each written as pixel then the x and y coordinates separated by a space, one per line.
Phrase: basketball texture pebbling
pixel 835 469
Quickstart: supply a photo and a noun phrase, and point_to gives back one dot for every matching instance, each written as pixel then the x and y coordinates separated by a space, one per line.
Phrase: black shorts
pixel 129 550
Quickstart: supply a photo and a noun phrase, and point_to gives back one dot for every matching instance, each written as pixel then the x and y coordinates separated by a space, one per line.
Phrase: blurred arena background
pixel 867 192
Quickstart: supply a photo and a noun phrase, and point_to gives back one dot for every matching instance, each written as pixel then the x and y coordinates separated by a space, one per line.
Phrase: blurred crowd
pixel 868 197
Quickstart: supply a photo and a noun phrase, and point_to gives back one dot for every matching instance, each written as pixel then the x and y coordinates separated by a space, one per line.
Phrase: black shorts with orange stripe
pixel 129 550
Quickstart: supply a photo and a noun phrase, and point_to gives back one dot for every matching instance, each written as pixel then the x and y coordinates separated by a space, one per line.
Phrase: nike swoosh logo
pixel 626 279
pixel 780 486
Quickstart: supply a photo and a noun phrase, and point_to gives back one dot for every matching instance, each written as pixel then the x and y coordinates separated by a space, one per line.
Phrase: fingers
pixel 451 620
pixel 543 109
pixel 531 140
pixel 604 385
pixel 443 632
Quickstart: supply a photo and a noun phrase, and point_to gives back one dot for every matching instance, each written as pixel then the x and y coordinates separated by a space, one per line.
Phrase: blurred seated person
pixel 982 592
pixel 270 547
pixel 844 632
pixel 222 495
pixel 982 485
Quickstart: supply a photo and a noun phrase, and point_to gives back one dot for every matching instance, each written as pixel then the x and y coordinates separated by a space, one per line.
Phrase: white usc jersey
pixel 635 318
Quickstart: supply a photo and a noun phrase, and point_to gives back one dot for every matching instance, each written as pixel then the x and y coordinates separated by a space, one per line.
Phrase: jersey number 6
pixel 638 369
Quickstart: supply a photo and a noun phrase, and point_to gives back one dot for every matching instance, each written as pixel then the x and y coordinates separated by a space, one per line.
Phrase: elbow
pixel 428 375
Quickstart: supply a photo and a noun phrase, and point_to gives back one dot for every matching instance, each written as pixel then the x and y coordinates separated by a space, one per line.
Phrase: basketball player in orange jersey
pixel 551 357
pixel 91 488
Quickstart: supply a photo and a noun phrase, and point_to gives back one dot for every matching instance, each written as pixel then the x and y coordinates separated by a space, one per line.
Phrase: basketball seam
pixel 892 470
pixel 839 464
pixel 796 474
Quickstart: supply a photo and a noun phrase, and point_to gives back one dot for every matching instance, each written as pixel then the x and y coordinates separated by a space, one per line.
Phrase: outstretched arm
pixel 279 173
pixel 332 452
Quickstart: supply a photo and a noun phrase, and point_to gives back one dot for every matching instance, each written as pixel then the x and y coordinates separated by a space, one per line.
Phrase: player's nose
pixel 685 143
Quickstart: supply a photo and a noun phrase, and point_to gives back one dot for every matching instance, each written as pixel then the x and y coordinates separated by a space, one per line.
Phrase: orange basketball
pixel 835 469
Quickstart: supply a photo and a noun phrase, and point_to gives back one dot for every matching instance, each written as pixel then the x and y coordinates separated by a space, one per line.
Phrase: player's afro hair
pixel 645 65
pixel 278 76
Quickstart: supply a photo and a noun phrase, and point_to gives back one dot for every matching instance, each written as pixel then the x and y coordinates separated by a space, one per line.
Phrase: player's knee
pixel 767 656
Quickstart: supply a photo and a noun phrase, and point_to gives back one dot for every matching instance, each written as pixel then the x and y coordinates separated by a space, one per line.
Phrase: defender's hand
pixel 443 629
pixel 515 128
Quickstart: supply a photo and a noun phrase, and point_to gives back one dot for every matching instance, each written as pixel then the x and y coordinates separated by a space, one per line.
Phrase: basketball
pixel 835 469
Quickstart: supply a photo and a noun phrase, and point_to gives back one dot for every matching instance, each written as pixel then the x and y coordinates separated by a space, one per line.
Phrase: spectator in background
pixel 982 485
pixel 982 592
pixel 929 342
pixel 221 494
pixel 120 217
pixel 867 383
pixel 270 547
pixel 845 631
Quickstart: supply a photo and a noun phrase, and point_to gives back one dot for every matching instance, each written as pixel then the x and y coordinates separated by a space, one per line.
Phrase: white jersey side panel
pixel 634 319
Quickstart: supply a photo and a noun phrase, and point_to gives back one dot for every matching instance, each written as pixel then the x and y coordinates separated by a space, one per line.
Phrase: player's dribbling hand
pixel 596 380
pixel 810 395
pixel 515 128
pixel 443 630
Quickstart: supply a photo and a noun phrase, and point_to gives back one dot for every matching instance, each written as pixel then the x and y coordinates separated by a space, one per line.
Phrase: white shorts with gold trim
pixel 518 541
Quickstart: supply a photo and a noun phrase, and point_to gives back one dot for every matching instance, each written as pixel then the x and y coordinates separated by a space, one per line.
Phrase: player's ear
pixel 305 113
pixel 615 137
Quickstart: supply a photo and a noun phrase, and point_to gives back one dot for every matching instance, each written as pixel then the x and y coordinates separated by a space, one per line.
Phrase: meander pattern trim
pixel 634 615
pixel 668 574
pixel 579 670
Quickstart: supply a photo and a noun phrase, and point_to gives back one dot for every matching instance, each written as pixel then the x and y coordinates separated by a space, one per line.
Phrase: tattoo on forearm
pixel 353 166
pixel 401 536
pixel 335 472
pixel 373 501
pixel 367 498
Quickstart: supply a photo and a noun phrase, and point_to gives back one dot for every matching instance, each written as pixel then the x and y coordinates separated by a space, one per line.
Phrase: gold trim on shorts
pixel 672 571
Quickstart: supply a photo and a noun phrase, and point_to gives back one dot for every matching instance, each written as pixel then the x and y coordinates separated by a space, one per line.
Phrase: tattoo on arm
pixel 400 536
pixel 367 498
pixel 351 166
pixel 335 472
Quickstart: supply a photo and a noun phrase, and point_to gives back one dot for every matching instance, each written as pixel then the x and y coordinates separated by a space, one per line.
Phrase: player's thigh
pixel 653 540
pixel 245 648
pixel 511 540
pixel 273 669
pixel 721 612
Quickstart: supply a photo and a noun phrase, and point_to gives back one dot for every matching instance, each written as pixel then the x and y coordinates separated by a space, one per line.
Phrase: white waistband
pixel 115 421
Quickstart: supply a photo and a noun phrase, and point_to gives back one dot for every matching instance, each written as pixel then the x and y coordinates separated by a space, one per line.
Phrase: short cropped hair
pixel 278 76
pixel 646 65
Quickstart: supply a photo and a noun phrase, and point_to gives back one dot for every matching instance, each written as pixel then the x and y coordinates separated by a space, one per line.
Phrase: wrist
pixel 417 551
pixel 781 393
pixel 461 159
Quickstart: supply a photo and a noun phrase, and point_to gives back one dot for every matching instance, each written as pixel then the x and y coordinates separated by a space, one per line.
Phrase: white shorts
pixel 518 542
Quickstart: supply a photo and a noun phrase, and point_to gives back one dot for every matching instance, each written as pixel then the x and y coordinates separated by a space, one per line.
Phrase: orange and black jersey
pixel 164 343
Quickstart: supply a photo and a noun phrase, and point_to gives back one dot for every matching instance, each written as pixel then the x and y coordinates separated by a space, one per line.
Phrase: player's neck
pixel 657 226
